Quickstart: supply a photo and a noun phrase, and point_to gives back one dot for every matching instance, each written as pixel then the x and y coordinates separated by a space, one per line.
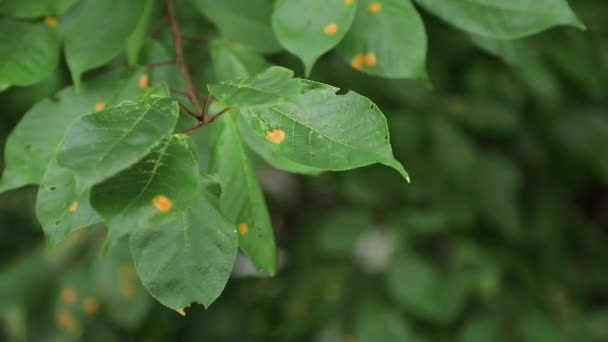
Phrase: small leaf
pixel 231 60
pixel 387 39
pixel 29 52
pixel 33 143
pixel 325 130
pixel 96 32
pixel 242 200
pixel 503 19
pixel 273 86
pixel 187 260
pixel 35 8
pixel 59 208
pixel 99 145
pixel 154 191
pixel 310 28
pixel 247 22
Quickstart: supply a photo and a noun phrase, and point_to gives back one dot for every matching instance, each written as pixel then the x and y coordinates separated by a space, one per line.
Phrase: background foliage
pixel 501 236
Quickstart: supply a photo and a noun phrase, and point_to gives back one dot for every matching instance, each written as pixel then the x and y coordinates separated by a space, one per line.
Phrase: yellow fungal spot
pixel 69 295
pixel 90 305
pixel 243 228
pixel 162 203
pixel 331 29
pixel 73 207
pixel 276 135
pixel 127 290
pixel 370 59
pixel 348 2
pixel 358 61
pixel 65 321
pixel 100 106
pixel 181 312
pixel 144 82
pixel 374 7
pixel 51 21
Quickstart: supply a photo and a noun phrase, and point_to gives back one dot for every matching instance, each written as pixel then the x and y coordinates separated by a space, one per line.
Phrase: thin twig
pixel 217 115
pixel 187 110
pixel 194 129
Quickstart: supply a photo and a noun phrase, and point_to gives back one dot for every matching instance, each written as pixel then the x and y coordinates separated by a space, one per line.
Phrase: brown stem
pixel 187 110
pixel 194 129
pixel 179 58
pixel 217 115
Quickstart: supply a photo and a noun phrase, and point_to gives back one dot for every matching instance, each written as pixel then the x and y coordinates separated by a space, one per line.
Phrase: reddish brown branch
pixel 217 115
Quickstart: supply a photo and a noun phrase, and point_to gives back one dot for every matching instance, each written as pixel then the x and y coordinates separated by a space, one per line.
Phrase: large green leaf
pixel 96 31
pixel 33 143
pixel 59 208
pixel 29 52
pixel 310 28
pixel 503 19
pixel 247 22
pixel 35 8
pixel 242 200
pixel 325 130
pixel 273 86
pixel 101 144
pixel 152 192
pixel 187 260
pixel 387 39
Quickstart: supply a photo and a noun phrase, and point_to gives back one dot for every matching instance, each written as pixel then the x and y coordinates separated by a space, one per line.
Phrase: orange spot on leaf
pixel 348 2
pixel 276 135
pixel 90 305
pixel 50 21
pixel 100 106
pixel 162 203
pixel 144 82
pixel 127 290
pixel 69 295
pixel 65 321
pixel 358 61
pixel 331 29
pixel 370 59
pixel 73 207
pixel 243 228
pixel 374 7
pixel 181 312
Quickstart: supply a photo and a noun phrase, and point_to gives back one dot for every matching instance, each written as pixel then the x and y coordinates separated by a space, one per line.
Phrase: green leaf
pixel 273 86
pixel 247 22
pixel 96 32
pixel 101 144
pixel 377 322
pixel 35 8
pixel 136 41
pixel 232 60
pixel 242 200
pixel 29 52
pixel 387 39
pixel 310 28
pixel 33 143
pixel 325 130
pixel 188 260
pixel 152 192
pixel 503 19
pixel 59 208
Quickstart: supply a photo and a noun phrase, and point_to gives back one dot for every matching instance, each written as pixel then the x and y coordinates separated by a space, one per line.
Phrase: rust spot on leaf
pixel 90 305
pixel 100 106
pixel 127 290
pixel 243 228
pixel 331 29
pixel 358 61
pixel 374 7
pixel 370 59
pixel 50 21
pixel 348 2
pixel 276 135
pixel 144 82
pixel 65 321
pixel 69 295
pixel 73 207
pixel 162 203
pixel 181 312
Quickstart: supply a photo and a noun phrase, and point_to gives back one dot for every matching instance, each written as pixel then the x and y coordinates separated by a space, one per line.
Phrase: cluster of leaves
pixel 109 150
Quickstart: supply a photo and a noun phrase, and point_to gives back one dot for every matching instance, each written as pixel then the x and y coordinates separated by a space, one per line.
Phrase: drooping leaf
pixel 273 86
pixel 503 19
pixel 59 208
pixel 247 22
pixel 35 8
pixel 387 39
pixel 136 40
pixel 242 200
pixel 101 144
pixel 232 60
pixel 310 28
pixel 33 143
pixel 152 192
pixel 325 130
pixel 96 31
pixel 187 260
pixel 29 52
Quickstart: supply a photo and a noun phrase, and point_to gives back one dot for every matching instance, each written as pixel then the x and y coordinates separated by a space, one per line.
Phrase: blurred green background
pixel 501 236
